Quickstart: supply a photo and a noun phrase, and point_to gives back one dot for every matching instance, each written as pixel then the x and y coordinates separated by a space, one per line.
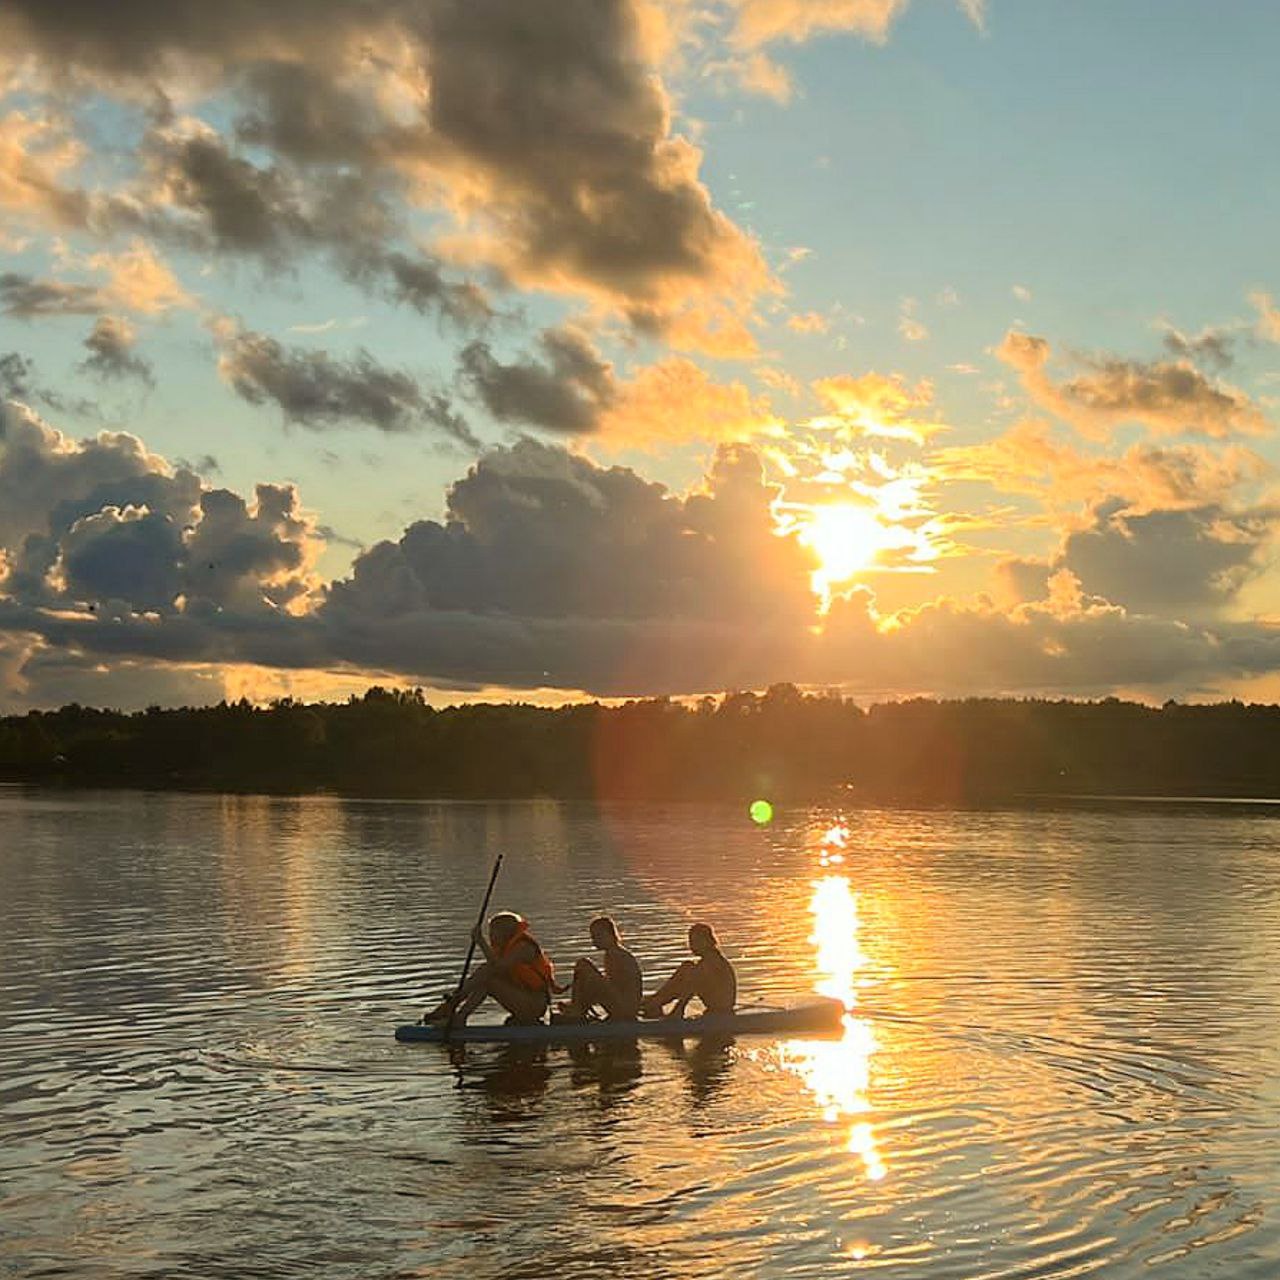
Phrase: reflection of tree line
pixel 778 744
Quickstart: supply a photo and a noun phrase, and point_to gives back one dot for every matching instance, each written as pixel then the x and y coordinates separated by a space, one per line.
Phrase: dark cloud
pixel 111 352
pixel 16 377
pixel 554 107
pixel 48 482
pixel 1158 561
pixel 536 532
pixel 142 39
pixel 25 297
pixel 316 390
pixel 418 281
pixel 240 558
pixel 567 393
pixel 542 123
pixel 245 208
pixel 131 556
pixel 103 523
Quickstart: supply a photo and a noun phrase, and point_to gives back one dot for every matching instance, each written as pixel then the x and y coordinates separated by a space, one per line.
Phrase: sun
pixel 845 538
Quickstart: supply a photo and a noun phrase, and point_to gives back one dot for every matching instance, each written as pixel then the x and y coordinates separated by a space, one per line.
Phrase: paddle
pixel 471 950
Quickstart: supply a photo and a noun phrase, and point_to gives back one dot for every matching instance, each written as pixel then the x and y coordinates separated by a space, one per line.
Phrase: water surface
pixel 1064 1056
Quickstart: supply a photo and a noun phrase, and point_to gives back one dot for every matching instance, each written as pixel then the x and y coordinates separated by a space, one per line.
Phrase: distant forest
pixel 781 745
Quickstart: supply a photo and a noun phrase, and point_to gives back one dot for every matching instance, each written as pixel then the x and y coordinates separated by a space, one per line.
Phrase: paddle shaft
pixel 471 950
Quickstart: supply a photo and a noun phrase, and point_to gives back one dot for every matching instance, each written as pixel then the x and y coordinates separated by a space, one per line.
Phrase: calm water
pixel 1068 1060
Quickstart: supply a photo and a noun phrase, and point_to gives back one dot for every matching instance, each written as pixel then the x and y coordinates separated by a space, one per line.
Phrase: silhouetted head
pixel 503 927
pixel 702 939
pixel 604 932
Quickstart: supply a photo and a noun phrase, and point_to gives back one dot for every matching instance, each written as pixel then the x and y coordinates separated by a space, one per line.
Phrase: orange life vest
pixel 538 974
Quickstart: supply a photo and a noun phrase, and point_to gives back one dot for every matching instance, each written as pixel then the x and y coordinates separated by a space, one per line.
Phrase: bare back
pixel 623 971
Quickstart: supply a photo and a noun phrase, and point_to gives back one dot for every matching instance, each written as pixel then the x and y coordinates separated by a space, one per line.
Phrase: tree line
pixel 779 745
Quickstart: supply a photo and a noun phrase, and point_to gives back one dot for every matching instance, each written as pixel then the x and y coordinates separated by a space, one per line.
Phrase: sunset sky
pixel 550 348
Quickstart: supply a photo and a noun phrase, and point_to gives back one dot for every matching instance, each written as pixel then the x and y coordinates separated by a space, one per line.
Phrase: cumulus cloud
pixel 105 525
pixel 111 352
pixel 1163 561
pixel 1167 397
pixel 48 481
pixel 533 531
pixel 316 390
pixel 549 569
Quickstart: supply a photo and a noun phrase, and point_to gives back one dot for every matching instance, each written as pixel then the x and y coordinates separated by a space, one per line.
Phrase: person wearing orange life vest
pixel 516 972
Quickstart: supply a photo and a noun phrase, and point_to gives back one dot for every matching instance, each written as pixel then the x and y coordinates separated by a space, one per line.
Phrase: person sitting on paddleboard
pixel 617 990
pixel 711 978
pixel 516 972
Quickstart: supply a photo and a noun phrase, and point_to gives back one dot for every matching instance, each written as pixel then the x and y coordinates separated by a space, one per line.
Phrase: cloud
pixel 1031 459
pixel 1210 346
pixel 18 382
pixel 567 392
pixel 48 481
pixel 104 525
pixel 1268 326
pixel 138 280
pixel 1167 397
pixel 25 297
pixel 575 391
pixel 34 157
pixel 571 176
pixel 760 22
pixel 551 570
pixel 111 352
pixel 808 322
pixel 674 400
pixel 879 405
pixel 1158 561
pixel 909 325
pixel 16 376
pixel 316 390
pixel 348 117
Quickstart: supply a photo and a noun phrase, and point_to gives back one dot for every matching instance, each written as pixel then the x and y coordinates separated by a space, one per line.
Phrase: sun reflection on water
pixel 838 1072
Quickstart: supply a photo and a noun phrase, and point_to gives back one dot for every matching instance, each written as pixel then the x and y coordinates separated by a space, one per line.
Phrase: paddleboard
pixel 815 1016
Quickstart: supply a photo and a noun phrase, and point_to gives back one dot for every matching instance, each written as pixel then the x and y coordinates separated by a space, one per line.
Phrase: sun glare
pixel 838 1072
pixel 847 540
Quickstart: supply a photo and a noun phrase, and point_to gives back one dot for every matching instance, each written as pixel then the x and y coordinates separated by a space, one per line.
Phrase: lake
pixel 1064 1056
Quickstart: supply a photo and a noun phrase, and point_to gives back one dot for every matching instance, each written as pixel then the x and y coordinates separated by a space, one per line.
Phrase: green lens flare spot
pixel 761 812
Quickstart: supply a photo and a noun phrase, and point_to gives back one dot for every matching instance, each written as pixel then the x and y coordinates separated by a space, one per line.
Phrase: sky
pixel 550 349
